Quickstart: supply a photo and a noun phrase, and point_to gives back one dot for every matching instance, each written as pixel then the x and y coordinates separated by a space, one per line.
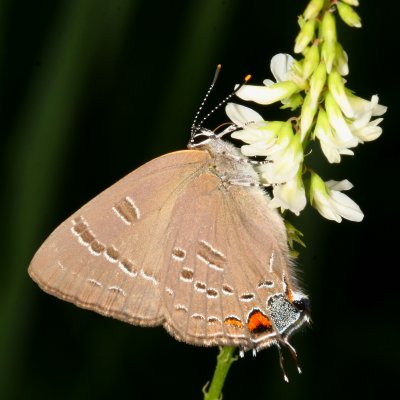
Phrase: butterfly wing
pixel 172 244
pixel 226 255
pixel 108 256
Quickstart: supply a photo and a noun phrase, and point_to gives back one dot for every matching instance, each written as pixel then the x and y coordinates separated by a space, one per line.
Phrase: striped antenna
pixel 196 126
pixel 217 71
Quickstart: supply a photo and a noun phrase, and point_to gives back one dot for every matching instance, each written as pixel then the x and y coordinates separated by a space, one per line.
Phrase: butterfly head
pixel 201 136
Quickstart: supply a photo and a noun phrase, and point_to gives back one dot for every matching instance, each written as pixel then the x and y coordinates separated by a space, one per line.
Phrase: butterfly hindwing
pixel 225 257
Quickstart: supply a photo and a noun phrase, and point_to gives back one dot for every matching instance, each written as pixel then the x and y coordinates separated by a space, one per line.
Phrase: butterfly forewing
pixel 107 256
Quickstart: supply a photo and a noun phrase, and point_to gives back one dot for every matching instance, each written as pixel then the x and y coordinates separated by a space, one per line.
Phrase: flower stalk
pixel 225 359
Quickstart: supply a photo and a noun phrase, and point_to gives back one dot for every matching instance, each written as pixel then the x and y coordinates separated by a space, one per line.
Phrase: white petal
pixel 325 208
pixel 257 149
pixel 281 64
pixel 368 133
pixel 331 153
pixel 283 168
pixel 337 89
pixel 379 110
pixel 241 115
pixel 339 185
pixel 255 133
pixel 268 82
pixel 264 94
pixel 346 207
pixel 289 196
pixel 361 106
pixel 337 121
pixel 347 152
pixel 362 121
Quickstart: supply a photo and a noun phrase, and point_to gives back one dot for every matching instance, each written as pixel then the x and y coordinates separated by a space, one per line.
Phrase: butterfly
pixel 187 241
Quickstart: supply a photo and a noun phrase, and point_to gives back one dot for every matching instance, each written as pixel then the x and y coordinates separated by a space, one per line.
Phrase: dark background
pixel 92 89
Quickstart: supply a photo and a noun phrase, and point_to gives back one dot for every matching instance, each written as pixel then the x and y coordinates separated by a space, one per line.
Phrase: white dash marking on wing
pixel 212 249
pixel 148 277
pixel 117 289
pixel 122 217
pixel 181 307
pixel 94 282
pixel 125 270
pixel 134 206
pixel 271 261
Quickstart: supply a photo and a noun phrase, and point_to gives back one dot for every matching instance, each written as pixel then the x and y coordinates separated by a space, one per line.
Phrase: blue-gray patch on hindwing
pixel 283 313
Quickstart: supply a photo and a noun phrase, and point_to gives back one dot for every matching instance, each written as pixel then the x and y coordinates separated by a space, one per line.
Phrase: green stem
pixel 225 359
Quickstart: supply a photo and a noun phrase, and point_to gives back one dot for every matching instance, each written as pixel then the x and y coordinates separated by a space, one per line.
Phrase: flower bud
pixel 307 115
pixel 313 9
pixel 311 61
pixel 351 2
pixel 328 28
pixel 341 60
pixel 348 15
pixel 305 36
pixel 337 89
pixel 328 55
pixel 317 83
pixel 292 102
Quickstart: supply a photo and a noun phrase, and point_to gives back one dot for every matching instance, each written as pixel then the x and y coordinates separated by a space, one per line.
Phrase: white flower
pixel 274 139
pixel 259 134
pixel 366 130
pixel 340 127
pixel 361 106
pixel 338 134
pixel 331 145
pixel 330 202
pixel 310 104
pixel 281 67
pixel 286 157
pixel 241 115
pixel 337 89
pixel 362 127
pixel 290 195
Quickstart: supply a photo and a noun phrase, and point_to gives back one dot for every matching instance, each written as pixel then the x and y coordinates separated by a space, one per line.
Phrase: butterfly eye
pixel 201 138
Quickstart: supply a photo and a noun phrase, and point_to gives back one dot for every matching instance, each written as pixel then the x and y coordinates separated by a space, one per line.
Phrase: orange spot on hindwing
pixel 258 322
pixel 233 321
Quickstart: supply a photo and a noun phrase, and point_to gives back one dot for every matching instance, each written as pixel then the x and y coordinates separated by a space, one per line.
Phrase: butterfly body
pixel 187 241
